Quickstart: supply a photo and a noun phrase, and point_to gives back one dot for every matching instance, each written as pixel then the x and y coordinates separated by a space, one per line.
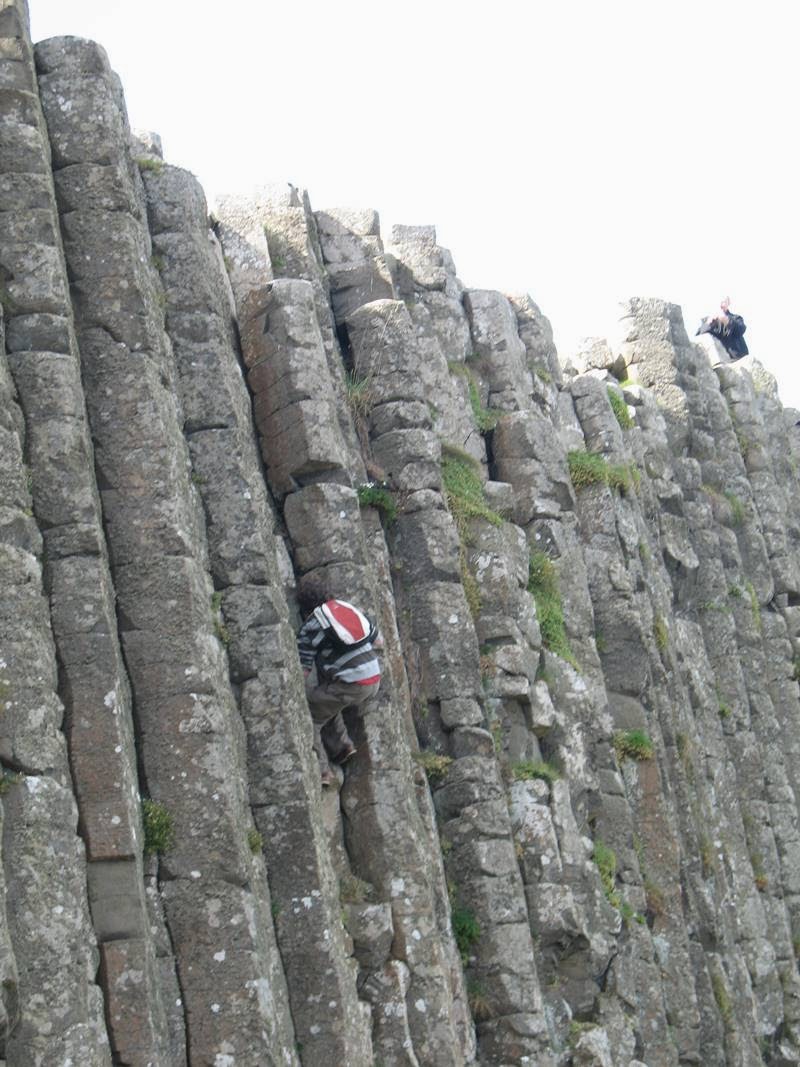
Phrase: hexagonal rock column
pixel 354 259
pixel 277 224
pixel 191 739
pixel 481 862
pixel 44 361
pixel 50 1007
pixel 261 646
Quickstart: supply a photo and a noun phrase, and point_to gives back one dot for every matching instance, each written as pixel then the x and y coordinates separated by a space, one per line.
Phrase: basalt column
pixel 189 735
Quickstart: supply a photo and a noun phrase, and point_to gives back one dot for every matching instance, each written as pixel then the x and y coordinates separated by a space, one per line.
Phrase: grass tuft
pixel 371 495
pixel 590 468
pixel 633 744
pixel 159 828
pixel 605 860
pixel 620 408
pixel 434 764
pixel 529 769
pixel 543 585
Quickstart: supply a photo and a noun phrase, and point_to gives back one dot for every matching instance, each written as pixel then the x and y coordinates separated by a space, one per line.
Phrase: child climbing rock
pixel 337 645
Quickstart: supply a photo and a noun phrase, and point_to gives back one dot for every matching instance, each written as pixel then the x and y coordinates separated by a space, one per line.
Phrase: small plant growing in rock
pixel 466 929
pixel 633 744
pixel 479 1004
pixel 543 586
pixel 354 890
pixel 620 408
pixel 465 498
pixel 464 489
pixel 796 668
pixel 434 764
pixel 754 605
pixel 738 512
pixel 590 468
pixel 660 633
pixel 722 998
pixel 544 375
pixel 529 769
pixel 577 1029
pixel 159 829
pixel 255 841
pixel 359 396
pixel 485 419
pixel 605 860
pixel 724 708
pixel 371 495
pixel 654 897
pixel 629 915
pixel 7 781
pixel 496 730
pixel 153 166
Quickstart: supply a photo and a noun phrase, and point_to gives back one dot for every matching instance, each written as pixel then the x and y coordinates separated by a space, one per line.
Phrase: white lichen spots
pixel 307 902
pixel 33 785
pixel 331 1004
pixel 398 886
pixel 215 1008
pixel 118 749
pixel 58 909
pixel 316 893
pixel 416 935
pixel 194 874
pixel 395 1010
pixel 453 619
pixel 263 994
pixel 421 1006
pixel 342 514
pixel 178 1003
pixel 247 494
pixel 115 820
pixel 219 956
pixel 314 1030
pixel 110 699
pixel 223 1060
pixel 662 947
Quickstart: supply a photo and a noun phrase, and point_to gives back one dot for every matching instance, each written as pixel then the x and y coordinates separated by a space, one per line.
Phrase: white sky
pixel 582 151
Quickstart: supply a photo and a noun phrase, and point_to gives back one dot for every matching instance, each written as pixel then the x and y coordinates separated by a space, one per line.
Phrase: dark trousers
pixel 326 702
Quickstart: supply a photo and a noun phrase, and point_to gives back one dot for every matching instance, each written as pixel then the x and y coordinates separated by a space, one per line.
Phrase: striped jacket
pixel 358 666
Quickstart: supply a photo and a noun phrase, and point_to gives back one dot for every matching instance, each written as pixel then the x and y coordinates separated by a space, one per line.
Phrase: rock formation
pixel 570 835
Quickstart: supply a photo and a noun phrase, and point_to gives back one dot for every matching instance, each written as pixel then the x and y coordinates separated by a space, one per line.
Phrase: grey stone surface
pixel 188 407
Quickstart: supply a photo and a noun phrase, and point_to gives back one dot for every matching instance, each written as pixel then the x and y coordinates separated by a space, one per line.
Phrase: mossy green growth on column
pixel 543 585
pixel 463 490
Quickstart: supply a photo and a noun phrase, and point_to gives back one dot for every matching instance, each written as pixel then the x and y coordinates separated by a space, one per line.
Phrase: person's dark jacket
pixel 730 334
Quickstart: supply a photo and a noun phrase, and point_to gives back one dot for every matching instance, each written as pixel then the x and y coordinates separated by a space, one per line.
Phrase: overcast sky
pixel 580 151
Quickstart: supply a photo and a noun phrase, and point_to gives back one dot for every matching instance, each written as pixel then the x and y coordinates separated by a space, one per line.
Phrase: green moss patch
pixel 620 408
pixel 633 744
pixel 543 585
pixel 590 468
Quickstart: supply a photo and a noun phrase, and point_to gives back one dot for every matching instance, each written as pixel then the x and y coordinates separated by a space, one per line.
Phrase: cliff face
pixel 570 833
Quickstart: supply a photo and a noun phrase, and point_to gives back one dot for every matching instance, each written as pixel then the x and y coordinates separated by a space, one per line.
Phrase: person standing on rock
pixel 337 645
pixel 727 328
